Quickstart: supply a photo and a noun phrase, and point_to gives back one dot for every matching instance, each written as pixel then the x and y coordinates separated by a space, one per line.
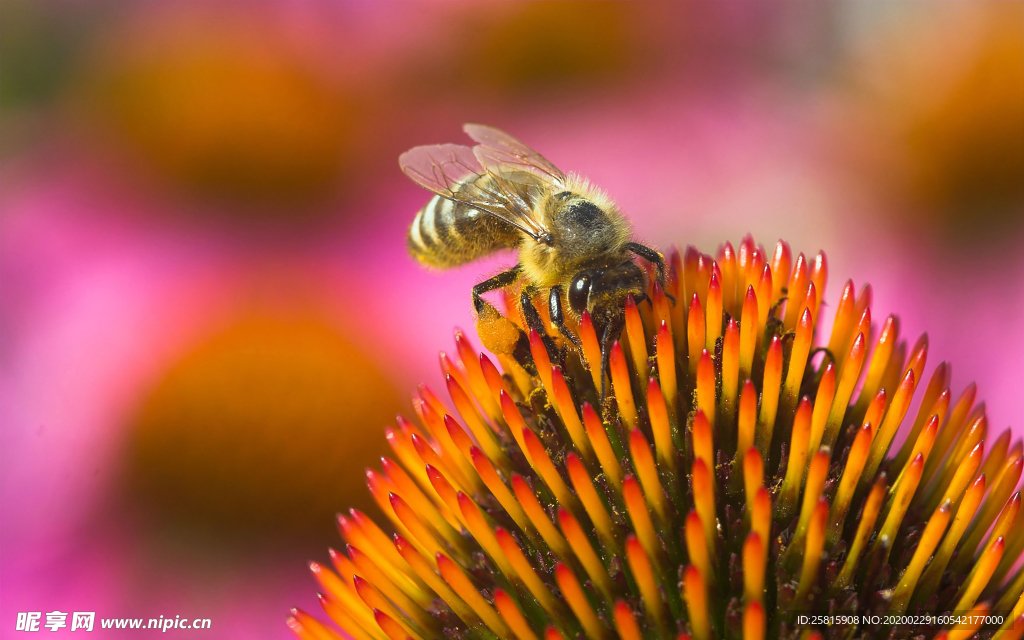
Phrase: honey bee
pixel 571 239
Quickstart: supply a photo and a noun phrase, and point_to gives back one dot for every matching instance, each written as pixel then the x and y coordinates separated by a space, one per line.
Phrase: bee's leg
pixel 655 258
pixel 611 331
pixel 503 279
pixel 558 317
pixel 535 322
pixel 650 255
pixel 521 350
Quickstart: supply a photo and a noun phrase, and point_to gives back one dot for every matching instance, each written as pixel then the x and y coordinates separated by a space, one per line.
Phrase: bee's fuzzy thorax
pixel 739 481
pixel 581 185
pixel 594 241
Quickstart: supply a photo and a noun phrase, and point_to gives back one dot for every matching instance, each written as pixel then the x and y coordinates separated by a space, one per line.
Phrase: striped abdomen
pixel 446 234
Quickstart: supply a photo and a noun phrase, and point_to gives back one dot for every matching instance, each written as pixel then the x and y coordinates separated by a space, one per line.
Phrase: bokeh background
pixel 208 312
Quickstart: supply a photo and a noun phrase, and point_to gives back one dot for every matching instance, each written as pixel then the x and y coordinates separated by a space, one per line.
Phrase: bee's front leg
pixel 558 317
pixel 612 330
pixel 655 258
pixel 535 322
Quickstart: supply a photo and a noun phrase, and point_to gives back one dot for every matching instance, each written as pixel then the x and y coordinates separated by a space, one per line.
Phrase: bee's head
pixel 603 290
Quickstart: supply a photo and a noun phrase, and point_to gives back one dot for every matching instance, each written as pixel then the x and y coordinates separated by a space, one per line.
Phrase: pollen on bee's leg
pixel 497 333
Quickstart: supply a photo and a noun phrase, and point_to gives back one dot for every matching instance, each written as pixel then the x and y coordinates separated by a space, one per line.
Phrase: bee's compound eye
pixel 579 291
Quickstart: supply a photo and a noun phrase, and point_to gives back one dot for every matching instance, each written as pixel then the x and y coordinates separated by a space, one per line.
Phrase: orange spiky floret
pixel 741 473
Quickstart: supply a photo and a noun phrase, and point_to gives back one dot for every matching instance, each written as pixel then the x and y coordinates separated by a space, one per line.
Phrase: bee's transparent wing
pixel 498 149
pixel 453 171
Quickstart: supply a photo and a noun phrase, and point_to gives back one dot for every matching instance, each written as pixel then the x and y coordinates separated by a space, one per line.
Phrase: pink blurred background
pixel 208 310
